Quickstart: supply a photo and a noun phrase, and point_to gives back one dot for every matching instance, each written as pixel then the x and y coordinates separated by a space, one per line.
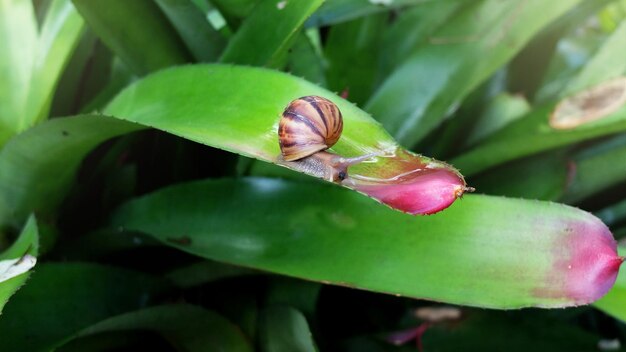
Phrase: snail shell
pixel 308 125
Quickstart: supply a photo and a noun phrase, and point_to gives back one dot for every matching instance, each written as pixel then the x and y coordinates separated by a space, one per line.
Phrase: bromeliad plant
pixel 144 162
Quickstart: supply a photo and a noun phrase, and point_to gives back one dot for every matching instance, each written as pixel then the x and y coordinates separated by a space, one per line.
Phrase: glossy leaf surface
pixel 540 253
pixel 254 44
pixel 216 105
pixel 55 147
pixel 145 42
pixel 419 94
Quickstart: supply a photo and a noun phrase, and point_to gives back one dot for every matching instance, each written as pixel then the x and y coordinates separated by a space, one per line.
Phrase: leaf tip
pixel 586 263
pixel 423 194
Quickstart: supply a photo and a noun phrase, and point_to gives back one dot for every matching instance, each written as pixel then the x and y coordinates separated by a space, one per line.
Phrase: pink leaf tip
pixel 412 184
pixel 586 263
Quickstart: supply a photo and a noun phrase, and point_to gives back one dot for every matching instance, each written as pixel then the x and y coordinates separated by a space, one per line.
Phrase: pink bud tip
pixel 425 193
pixel 587 263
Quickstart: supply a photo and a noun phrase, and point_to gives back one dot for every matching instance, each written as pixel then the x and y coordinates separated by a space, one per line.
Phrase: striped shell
pixel 308 125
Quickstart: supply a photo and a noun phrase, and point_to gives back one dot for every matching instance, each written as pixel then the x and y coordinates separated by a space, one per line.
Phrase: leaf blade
pixel 254 45
pixel 351 244
pixel 420 93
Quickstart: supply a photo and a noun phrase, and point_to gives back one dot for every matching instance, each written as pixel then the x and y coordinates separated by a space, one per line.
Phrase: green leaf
pixel 528 68
pixel 120 77
pixel 234 11
pixel 90 69
pixel 137 31
pixel 544 176
pixel 412 29
pixel 337 11
pixel 596 169
pixel 27 243
pixel 604 65
pixel 254 44
pixel 566 175
pixel 60 34
pixel 351 65
pixel 204 42
pixel 63 298
pixel 426 88
pixel 216 105
pixel 304 61
pixel 503 109
pixel 18 48
pixel 55 147
pixel 187 327
pixel 284 329
pixel 532 134
pixel 482 251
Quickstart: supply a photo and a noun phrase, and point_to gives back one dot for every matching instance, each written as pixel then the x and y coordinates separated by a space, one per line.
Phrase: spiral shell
pixel 308 125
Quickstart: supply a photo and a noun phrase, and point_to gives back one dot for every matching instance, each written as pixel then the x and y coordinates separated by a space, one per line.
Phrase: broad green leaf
pixel 544 177
pixel 61 299
pixel 571 51
pixel 502 110
pixel 60 34
pixel 412 29
pixel 218 106
pixel 604 65
pixel 304 61
pixel 24 249
pixel 532 134
pixel 419 94
pixel 55 147
pixel 528 68
pixel 284 329
pixel 136 31
pixel 89 70
pixel 120 77
pixel 337 11
pixel 566 175
pixel 234 11
pixel 482 251
pixel 18 48
pixel 204 42
pixel 352 66
pixel 254 44
pixel 614 303
pixel 187 327
pixel 596 169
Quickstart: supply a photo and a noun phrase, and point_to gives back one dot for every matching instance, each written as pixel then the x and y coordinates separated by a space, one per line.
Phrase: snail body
pixel 308 126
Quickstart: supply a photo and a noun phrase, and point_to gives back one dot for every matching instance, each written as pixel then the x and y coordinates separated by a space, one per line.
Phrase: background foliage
pixel 135 138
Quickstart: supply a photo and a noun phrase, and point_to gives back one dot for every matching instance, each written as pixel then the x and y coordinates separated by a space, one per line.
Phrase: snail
pixel 308 126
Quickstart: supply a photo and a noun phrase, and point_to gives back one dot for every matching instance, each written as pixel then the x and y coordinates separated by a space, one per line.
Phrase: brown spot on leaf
pixel 590 105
